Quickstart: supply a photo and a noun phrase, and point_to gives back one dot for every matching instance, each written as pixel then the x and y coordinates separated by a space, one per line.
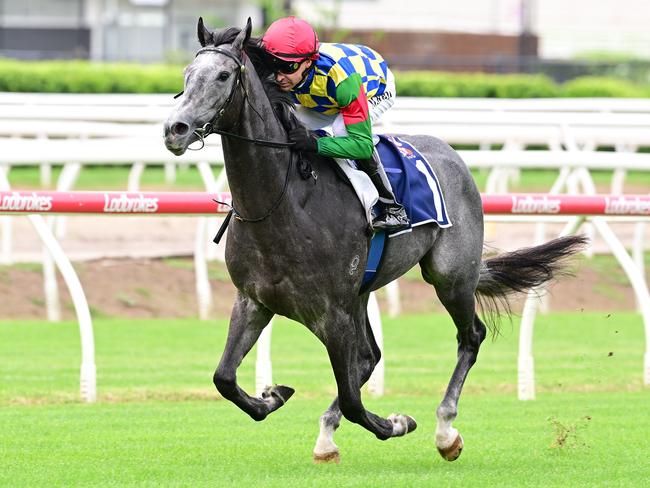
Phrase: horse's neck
pixel 256 173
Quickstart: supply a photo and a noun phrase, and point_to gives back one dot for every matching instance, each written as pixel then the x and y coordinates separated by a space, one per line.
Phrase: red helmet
pixel 290 39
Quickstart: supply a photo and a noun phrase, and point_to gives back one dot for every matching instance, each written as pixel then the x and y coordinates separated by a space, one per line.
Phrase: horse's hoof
pixel 402 424
pixel 452 452
pixel 327 457
pixel 277 395
pixel 285 392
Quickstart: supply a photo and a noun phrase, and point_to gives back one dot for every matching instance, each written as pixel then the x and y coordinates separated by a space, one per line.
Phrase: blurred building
pixel 110 30
pixel 548 36
pixel 463 35
pixel 565 28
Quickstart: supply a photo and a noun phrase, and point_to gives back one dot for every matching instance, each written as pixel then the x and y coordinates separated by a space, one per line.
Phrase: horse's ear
pixel 244 35
pixel 205 36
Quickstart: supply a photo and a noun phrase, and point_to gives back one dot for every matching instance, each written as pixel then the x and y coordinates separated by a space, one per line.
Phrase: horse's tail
pixel 520 271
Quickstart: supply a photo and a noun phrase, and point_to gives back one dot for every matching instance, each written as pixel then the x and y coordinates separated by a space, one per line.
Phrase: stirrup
pixel 393 219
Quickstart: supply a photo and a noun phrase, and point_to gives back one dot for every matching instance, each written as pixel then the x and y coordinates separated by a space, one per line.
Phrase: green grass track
pixel 159 422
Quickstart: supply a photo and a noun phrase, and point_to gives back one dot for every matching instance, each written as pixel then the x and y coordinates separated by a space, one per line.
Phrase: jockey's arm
pixel 351 98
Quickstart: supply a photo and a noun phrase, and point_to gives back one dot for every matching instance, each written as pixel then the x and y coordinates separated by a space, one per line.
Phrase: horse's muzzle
pixel 177 136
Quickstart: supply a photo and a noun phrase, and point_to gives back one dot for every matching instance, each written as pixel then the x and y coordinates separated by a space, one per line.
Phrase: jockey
pixel 345 86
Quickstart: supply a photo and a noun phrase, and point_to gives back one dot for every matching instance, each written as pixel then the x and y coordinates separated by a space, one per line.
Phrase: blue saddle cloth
pixel 415 186
pixel 414 182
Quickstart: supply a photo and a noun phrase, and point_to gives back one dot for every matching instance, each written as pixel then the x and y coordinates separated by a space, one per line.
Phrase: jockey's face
pixel 287 81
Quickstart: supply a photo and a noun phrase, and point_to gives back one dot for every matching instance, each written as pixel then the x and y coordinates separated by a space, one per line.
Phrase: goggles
pixel 285 67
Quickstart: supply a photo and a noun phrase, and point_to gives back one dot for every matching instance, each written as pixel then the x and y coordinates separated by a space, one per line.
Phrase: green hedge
pixel 87 77
pixel 434 84
pixel 591 86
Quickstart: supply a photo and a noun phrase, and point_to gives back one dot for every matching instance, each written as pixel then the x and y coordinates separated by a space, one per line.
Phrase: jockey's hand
pixel 304 140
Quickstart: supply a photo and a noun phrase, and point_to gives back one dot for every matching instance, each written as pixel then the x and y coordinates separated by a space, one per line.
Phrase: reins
pixel 209 128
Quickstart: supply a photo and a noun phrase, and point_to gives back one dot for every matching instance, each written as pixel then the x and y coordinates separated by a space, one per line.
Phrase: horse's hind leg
pixel 455 280
pixel 247 321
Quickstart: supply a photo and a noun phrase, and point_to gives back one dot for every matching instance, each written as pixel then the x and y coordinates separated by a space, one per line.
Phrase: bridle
pixel 211 128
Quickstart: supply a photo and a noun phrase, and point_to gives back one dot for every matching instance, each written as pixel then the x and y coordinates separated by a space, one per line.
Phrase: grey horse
pixel 298 244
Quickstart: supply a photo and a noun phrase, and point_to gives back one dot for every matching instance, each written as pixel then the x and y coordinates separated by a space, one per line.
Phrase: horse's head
pixel 212 83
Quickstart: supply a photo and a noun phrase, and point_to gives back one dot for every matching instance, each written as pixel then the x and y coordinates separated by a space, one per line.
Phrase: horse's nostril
pixel 180 129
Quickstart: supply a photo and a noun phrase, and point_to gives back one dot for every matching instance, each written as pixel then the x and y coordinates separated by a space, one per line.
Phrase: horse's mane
pixel 258 56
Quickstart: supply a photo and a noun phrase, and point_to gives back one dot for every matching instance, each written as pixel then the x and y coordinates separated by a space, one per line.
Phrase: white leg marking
pixel 400 424
pixel 325 442
pixel 445 434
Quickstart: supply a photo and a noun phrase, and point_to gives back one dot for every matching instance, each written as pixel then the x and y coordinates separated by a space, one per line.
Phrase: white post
pixel 263 367
pixel 5 221
pixel 45 168
pixel 618 177
pixel 50 286
pixel 392 296
pixel 5 252
pixel 88 373
pixel 525 363
pixel 376 381
pixel 170 173
pixel 203 289
pixel 135 175
pixel 638 284
pixel 213 186
pixel 492 182
pixel 638 251
pixel 66 181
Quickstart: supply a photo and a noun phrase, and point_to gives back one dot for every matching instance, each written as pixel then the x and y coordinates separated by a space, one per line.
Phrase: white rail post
pixel 217 252
pixel 67 179
pixel 5 221
pixel 65 182
pixel 45 168
pixel 634 274
pixel 203 288
pixel 638 251
pixel 638 284
pixel 393 299
pixel 170 173
pixel 135 176
pixel 50 285
pixel 619 175
pixel 5 252
pixel 88 373
pixel 376 381
pixel 263 367
pixel 525 362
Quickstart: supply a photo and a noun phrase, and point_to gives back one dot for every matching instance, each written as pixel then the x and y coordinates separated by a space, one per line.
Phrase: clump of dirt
pixel 567 435
pixel 165 288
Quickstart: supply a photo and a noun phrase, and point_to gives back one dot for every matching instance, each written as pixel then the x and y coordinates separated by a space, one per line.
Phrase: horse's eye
pixel 223 76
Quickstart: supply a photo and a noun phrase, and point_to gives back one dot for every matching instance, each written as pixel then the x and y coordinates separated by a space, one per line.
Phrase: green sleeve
pixel 351 97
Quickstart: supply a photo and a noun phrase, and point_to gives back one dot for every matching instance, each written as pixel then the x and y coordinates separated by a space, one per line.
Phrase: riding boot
pixel 393 217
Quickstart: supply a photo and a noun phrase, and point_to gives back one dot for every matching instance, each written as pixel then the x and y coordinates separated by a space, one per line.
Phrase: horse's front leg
pixel 247 321
pixel 326 450
pixel 345 347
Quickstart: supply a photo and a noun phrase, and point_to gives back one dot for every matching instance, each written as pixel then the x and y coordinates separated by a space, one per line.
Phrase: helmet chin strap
pixel 304 75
